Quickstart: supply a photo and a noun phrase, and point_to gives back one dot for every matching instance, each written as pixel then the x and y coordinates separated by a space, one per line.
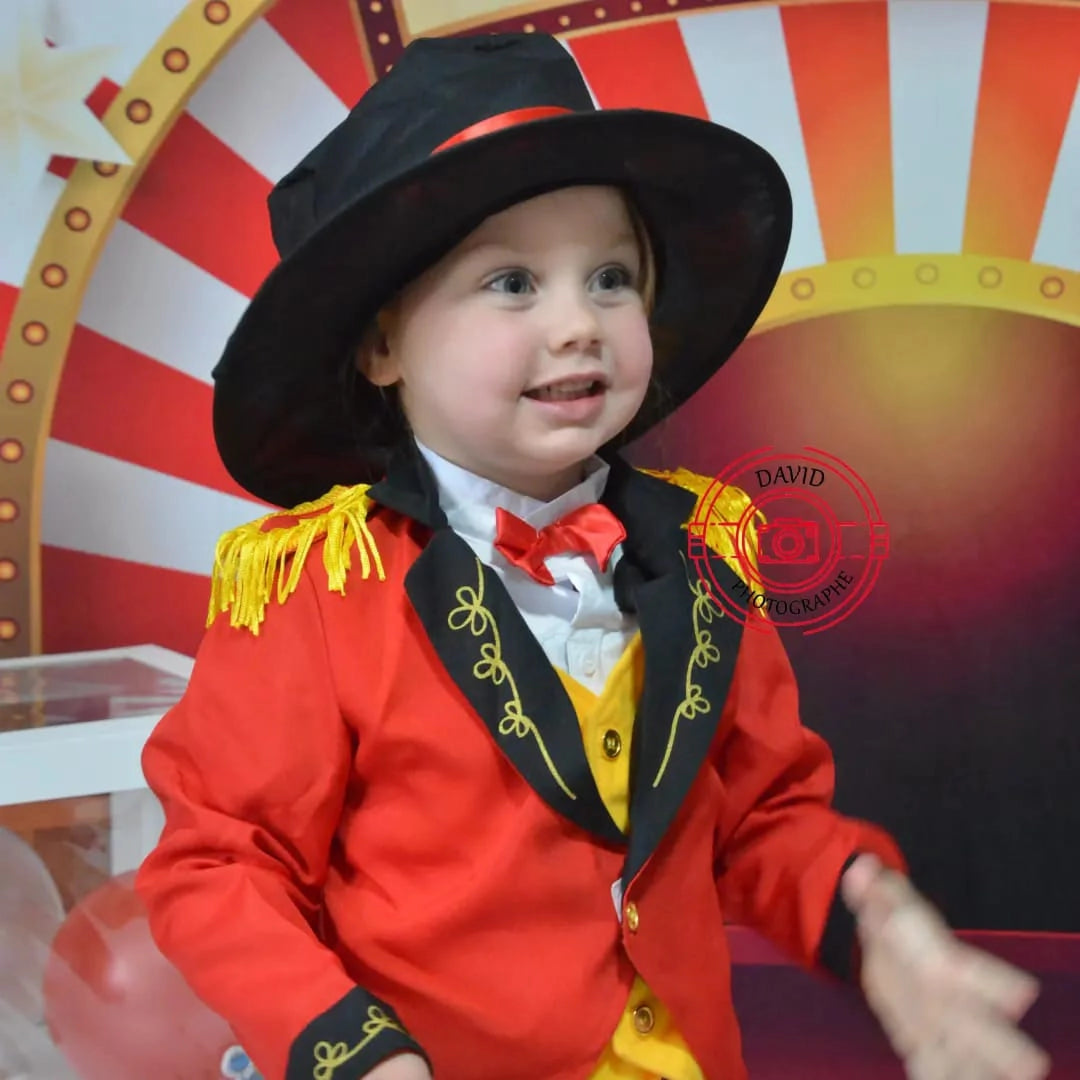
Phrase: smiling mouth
pixel 567 390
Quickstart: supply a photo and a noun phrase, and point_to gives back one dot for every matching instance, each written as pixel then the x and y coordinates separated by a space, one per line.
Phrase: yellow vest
pixel 646 1044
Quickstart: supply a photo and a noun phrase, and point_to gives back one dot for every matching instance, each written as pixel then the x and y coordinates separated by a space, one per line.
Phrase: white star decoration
pixel 42 111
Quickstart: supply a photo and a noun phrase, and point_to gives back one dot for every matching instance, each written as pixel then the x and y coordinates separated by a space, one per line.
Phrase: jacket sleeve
pixel 251 767
pixel 780 847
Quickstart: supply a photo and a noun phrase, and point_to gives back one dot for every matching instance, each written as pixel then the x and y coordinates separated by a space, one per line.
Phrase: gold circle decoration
pixel 54 276
pixel 139 111
pixel 864 277
pixel 139 118
pixel 926 273
pixel 175 60
pixel 78 219
pixel 901 280
pixel 35 333
pixel 217 12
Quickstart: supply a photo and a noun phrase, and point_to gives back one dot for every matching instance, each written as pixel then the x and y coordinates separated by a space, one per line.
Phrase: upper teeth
pixel 565 388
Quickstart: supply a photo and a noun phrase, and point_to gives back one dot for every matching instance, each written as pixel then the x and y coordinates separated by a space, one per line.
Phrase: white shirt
pixel 576 620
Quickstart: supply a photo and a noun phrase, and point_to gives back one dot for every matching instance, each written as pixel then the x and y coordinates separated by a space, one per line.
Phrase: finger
pixel 973 1047
pixel 857 880
pixel 928 1062
pixel 995 982
pixel 983 1045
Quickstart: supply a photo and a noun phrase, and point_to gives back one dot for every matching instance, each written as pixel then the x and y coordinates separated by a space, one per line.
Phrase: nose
pixel 574 326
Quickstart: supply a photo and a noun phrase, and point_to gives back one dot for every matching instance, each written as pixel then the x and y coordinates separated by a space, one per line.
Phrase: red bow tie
pixel 592 529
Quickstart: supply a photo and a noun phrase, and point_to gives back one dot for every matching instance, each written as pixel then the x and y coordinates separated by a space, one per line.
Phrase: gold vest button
pixel 643 1020
pixel 632 919
pixel 612 743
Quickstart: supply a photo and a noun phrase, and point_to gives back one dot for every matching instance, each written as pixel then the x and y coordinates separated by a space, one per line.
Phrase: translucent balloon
pixel 118 1010
pixel 27 1052
pixel 31 912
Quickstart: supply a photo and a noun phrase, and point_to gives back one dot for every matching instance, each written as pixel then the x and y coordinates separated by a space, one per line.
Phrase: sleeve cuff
pixel 839 950
pixel 349 1040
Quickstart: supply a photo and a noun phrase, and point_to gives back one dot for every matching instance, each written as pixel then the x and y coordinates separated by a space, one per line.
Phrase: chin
pixel 574 453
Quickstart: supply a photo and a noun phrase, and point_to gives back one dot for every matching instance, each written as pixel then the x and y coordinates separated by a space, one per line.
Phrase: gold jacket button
pixel 643 1019
pixel 612 743
pixel 632 918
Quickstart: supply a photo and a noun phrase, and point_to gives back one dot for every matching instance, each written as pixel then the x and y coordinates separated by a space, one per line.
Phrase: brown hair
pixel 647 278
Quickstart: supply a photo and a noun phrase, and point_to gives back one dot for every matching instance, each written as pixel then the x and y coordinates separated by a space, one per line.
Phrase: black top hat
pixel 462 128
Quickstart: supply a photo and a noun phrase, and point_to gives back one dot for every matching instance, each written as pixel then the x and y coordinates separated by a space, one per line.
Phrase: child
pixel 471 771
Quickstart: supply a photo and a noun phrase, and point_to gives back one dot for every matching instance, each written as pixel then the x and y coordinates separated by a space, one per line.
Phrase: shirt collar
pixel 469 501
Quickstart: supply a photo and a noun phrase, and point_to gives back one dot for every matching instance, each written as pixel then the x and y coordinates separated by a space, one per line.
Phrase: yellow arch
pixel 48 306
pixel 903 280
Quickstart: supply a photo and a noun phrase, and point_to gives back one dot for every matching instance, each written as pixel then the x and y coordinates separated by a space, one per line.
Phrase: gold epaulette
pixel 725 511
pixel 252 563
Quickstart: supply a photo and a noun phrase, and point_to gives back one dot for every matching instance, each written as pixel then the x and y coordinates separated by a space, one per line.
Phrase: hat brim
pixel 717 207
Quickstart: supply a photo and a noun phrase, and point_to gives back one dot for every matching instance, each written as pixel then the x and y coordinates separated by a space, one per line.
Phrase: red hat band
pixel 502 120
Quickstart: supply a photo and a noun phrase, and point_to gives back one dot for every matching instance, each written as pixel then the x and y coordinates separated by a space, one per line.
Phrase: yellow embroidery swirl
pixel 471 615
pixel 331 1056
pixel 704 652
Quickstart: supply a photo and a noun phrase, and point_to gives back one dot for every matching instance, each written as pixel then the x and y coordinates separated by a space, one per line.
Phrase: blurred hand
pixel 949 1010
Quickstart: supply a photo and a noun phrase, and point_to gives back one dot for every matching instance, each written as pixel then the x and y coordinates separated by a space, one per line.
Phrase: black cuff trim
pixel 838 952
pixel 349 1040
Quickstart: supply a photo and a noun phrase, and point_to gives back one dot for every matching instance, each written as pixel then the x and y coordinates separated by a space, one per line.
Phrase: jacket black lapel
pixel 494 658
pixel 690 648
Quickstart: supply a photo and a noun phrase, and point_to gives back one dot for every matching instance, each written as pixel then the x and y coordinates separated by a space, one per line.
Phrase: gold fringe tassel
pixel 251 564
pixel 728 508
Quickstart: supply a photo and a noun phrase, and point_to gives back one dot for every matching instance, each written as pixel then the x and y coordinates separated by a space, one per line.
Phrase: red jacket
pixel 382 832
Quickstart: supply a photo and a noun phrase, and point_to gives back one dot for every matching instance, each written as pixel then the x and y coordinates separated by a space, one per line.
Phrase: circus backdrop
pixel 926 330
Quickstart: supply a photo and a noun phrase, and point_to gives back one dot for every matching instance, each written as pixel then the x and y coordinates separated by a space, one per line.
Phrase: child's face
pixel 527 347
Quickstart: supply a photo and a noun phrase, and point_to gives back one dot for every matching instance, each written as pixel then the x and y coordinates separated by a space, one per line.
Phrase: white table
pixel 82 720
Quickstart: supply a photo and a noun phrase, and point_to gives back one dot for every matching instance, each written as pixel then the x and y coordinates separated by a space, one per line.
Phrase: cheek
pixel 493 351
pixel 465 363
pixel 635 347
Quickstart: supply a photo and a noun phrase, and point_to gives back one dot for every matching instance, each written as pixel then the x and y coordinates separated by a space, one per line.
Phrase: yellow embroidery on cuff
pixel 471 615
pixel 331 1056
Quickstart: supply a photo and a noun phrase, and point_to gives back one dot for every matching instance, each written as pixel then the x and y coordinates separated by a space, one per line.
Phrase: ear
pixel 374 357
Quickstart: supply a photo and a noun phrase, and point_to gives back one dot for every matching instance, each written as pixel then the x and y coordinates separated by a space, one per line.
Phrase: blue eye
pixel 512 282
pixel 613 277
